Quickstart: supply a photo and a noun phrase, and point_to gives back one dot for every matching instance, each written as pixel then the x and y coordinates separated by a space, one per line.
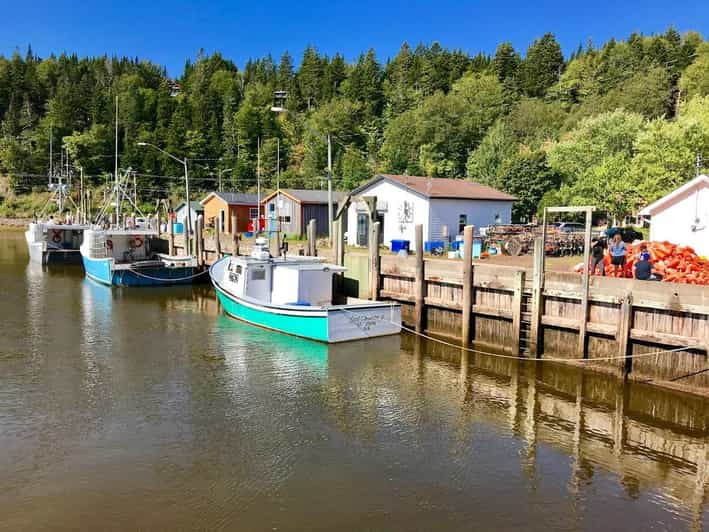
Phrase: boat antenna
pixel 51 152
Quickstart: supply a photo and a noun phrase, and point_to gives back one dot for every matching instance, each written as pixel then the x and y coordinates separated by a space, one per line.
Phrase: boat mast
pixel 117 198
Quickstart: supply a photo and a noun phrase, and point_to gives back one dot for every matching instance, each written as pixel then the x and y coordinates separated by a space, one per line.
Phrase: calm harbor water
pixel 146 409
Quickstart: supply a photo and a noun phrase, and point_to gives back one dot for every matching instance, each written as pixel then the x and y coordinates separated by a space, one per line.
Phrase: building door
pixel 362 229
pixel 380 219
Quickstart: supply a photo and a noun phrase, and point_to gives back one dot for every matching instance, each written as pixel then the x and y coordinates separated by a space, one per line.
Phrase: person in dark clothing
pixel 598 249
pixel 643 268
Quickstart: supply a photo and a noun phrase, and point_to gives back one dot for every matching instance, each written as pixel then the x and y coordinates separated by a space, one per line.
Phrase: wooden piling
pixel 199 242
pixel 537 287
pixel 467 308
pixel 171 237
pixel 517 298
pixel 625 324
pixel 234 236
pixel 217 238
pixel 583 315
pixel 374 261
pixel 340 232
pixel 419 282
pixel 312 232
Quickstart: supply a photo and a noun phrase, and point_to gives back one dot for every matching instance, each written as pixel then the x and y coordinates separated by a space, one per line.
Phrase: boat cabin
pixel 302 281
pixel 124 246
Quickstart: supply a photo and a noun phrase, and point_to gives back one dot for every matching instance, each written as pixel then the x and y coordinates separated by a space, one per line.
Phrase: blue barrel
pixel 398 245
pixel 179 228
pixel 477 248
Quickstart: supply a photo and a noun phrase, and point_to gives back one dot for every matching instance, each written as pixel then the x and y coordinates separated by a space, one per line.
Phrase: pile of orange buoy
pixel 676 264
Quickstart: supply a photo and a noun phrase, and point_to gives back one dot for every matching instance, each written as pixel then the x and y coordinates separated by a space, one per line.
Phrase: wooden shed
pixel 296 207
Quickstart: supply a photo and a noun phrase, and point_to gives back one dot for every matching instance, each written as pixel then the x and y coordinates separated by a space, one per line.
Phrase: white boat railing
pixel 97 246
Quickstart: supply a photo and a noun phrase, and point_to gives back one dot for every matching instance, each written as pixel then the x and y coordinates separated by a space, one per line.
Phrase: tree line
pixel 615 125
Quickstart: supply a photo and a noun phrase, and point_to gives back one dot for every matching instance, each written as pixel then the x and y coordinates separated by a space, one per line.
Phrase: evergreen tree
pixel 542 66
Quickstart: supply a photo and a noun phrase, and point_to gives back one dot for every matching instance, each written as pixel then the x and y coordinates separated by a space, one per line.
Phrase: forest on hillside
pixel 615 125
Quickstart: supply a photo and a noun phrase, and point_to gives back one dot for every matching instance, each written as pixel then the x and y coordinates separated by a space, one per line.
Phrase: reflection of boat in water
pixel 131 257
pixel 51 243
pixel 237 336
pixel 294 296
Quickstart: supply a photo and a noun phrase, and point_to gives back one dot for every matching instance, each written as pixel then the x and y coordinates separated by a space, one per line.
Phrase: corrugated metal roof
pixel 441 187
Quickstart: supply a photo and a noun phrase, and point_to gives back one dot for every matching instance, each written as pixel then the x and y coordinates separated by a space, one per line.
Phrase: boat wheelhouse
pixel 294 295
pixel 52 243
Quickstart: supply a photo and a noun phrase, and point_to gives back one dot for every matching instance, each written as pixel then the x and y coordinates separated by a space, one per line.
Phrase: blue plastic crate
pixel 429 246
pixel 398 245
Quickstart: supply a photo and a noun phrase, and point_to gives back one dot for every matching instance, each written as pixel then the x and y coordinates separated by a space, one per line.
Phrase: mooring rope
pixel 167 280
pixel 545 359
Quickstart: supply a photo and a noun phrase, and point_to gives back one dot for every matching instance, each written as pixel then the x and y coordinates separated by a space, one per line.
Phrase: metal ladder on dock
pixel 526 319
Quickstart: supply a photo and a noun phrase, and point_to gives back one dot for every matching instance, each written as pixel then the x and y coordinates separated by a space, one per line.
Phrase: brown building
pixel 223 205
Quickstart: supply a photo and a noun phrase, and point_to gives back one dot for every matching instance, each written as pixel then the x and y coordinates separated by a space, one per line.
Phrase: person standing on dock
pixel 598 249
pixel 617 249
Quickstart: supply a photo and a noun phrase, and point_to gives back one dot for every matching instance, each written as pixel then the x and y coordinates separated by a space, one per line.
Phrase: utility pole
pixel 257 225
pixel 698 165
pixel 329 189
pixel 277 225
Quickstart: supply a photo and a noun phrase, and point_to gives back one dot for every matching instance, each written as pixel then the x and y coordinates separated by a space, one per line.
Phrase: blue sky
pixel 170 32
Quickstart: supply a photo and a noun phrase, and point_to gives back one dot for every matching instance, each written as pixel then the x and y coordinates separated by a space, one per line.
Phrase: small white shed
pixel 434 202
pixel 682 216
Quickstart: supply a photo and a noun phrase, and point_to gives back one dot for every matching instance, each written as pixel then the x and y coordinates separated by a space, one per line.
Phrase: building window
pixel 462 222
pixel 271 207
pixel 253 213
pixel 285 219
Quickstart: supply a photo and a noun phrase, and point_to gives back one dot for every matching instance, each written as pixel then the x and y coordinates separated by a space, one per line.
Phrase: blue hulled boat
pixel 131 257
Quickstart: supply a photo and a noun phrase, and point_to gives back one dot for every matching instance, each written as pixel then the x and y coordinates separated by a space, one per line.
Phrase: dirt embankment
pixel 14 222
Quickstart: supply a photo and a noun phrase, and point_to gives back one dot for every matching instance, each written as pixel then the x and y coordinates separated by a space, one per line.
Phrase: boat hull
pixel 330 325
pixel 102 271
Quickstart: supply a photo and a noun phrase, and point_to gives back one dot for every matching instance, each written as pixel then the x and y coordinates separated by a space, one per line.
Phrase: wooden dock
pixel 543 314
pixel 532 313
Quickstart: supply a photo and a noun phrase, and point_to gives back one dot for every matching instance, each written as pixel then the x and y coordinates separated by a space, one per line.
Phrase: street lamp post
pixel 221 173
pixel 183 162
pixel 278 107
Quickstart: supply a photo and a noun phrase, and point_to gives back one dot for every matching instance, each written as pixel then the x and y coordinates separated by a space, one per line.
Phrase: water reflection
pixel 125 409
pixel 631 430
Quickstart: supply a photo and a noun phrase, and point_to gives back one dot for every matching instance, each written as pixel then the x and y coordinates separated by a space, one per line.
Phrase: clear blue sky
pixel 169 32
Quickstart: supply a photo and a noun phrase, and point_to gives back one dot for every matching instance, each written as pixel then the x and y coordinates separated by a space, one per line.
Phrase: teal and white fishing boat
pixel 294 295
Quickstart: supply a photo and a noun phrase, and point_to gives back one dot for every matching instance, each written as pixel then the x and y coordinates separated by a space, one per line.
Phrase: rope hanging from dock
pixel 551 359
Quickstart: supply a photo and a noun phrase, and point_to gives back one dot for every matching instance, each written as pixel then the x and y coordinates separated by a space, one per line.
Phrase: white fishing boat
pixel 53 243
pixel 294 295
pixel 48 240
